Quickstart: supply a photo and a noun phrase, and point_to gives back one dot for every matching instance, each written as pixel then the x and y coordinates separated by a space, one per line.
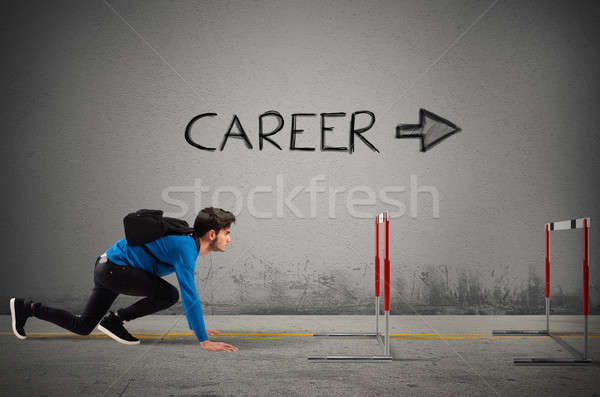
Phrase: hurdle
pixel 382 218
pixel 578 357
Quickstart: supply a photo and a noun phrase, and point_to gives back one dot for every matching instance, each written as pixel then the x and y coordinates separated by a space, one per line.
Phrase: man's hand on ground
pixel 217 346
pixel 212 332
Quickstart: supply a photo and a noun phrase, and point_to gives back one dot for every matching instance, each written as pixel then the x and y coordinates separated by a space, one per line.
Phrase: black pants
pixel 110 280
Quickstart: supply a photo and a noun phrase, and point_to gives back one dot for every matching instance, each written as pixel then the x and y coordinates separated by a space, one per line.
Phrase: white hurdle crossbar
pixel 382 218
pixel 579 358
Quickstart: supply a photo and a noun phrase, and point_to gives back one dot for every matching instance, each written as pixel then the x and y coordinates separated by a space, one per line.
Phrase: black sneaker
pixel 113 327
pixel 20 311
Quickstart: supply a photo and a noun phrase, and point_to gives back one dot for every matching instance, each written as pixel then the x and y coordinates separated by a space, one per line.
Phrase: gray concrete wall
pixel 97 95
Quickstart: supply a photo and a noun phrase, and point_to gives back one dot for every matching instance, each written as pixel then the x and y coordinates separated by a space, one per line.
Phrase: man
pixel 130 270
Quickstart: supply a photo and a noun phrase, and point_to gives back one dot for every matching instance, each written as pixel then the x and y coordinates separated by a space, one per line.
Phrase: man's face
pixel 221 241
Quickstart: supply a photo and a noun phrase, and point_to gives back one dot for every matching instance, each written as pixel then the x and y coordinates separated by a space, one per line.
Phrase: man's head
pixel 212 227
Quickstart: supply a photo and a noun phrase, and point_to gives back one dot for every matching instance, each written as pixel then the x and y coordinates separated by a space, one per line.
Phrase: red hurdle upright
pixel 580 358
pixel 382 218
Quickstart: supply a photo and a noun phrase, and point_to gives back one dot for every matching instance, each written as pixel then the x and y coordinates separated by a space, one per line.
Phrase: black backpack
pixel 144 226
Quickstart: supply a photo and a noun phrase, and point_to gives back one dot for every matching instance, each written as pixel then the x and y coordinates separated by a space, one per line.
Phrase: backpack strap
pixel 152 255
pixel 155 258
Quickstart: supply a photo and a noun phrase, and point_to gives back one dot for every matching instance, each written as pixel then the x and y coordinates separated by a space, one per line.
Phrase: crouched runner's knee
pixel 84 326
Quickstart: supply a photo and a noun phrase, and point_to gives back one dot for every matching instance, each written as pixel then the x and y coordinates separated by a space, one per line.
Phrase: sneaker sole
pixel 115 337
pixel 14 320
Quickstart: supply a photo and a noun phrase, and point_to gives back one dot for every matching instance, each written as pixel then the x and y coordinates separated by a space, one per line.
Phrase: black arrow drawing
pixel 431 130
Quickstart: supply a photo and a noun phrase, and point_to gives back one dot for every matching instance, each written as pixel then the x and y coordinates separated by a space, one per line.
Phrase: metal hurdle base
pixel 383 342
pixel 374 358
pixel 578 359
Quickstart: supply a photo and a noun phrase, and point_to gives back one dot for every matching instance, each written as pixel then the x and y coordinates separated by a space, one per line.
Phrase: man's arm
pixel 184 269
pixel 189 297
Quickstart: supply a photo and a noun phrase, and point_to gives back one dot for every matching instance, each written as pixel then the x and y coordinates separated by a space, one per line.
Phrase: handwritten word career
pixel 365 118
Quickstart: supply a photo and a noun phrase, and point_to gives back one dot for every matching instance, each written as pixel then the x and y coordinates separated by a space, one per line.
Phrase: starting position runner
pixel 130 270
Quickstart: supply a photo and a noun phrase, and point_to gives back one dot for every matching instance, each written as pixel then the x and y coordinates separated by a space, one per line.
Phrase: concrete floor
pixel 433 355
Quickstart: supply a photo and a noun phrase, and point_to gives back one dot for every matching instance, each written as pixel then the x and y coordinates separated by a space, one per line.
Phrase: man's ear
pixel 211 234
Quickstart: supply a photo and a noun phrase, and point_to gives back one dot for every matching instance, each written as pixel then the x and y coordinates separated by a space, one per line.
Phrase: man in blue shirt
pixel 130 270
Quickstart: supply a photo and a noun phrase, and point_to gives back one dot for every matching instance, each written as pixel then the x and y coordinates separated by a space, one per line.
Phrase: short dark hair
pixel 212 219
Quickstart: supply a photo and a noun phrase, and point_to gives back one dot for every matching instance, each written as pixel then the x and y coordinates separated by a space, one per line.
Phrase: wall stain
pixel 327 281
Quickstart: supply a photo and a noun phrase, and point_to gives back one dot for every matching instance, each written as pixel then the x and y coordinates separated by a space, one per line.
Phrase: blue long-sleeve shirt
pixel 181 252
